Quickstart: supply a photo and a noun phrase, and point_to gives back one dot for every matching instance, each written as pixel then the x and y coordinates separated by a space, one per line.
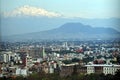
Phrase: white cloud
pixel 31 11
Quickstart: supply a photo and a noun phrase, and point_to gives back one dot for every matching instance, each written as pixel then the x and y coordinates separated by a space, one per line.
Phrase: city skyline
pixel 59 40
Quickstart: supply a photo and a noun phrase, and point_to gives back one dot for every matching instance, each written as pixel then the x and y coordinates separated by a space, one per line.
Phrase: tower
pixel 43 53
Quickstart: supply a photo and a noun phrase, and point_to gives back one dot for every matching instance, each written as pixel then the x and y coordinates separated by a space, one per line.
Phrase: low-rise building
pixel 102 68
pixel 20 71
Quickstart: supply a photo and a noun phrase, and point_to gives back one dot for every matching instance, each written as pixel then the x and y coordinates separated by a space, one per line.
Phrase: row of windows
pixel 110 69
pixel 91 68
pixel 108 72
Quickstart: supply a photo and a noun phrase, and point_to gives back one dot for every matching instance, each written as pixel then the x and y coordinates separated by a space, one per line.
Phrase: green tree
pixel 75 60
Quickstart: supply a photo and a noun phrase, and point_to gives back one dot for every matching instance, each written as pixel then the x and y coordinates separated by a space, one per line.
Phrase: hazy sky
pixel 69 8
pixel 51 11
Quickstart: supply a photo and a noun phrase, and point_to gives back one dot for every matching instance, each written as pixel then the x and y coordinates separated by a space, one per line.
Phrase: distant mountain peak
pixel 78 24
pixel 75 27
pixel 72 31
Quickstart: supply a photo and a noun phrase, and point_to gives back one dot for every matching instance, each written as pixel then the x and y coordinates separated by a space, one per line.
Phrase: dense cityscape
pixel 59 40
pixel 62 59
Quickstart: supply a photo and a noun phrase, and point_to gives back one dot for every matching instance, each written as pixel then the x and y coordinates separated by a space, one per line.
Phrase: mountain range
pixel 20 25
pixel 69 31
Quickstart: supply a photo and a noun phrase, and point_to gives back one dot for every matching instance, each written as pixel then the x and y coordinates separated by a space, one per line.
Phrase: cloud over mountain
pixel 27 10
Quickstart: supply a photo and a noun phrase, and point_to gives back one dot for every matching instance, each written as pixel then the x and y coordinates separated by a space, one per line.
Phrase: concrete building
pixel 90 69
pixel 6 56
pixel 43 54
pixel 110 69
pixel 102 68
pixel 20 71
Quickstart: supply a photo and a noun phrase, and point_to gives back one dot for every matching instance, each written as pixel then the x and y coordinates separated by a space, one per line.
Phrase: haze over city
pixel 59 40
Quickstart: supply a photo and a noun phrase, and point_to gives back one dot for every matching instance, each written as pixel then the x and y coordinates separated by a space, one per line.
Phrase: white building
pixel 90 69
pixel 110 69
pixel 51 69
pixel 20 71
pixel 102 68
pixel 6 56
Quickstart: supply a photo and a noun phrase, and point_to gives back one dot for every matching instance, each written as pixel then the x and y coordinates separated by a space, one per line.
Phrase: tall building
pixel 65 45
pixel 6 56
pixel 43 54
